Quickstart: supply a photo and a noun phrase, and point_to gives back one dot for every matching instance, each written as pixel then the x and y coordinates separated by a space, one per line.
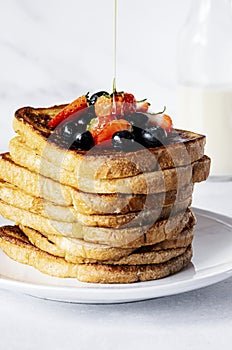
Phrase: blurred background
pixel 54 50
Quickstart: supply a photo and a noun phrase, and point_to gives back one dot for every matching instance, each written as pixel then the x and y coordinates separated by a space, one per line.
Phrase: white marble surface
pixel 51 51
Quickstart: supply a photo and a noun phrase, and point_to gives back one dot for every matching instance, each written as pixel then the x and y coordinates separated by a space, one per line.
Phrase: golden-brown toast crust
pixel 116 203
pixel 152 182
pixel 31 124
pixel 123 237
pixel 147 183
pixel 19 199
pixel 33 183
pixel 153 254
pixel 106 204
pixel 17 246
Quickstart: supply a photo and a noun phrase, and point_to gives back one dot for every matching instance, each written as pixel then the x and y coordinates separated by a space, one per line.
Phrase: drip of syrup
pixel 115 58
pixel 115 45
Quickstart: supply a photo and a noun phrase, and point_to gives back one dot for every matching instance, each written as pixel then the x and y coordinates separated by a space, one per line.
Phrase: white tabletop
pixel 201 319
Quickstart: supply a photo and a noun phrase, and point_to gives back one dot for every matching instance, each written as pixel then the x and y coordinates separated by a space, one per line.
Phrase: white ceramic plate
pixel 212 262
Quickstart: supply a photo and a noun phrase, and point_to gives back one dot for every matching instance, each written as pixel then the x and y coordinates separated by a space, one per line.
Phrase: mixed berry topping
pixel 111 120
pixel 74 107
pixel 95 96
pixel 138 119
pixel 83 140
pixel 151 137
pixel 124 141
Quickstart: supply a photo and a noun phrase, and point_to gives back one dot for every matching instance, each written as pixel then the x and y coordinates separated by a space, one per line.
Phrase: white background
pixel 51 52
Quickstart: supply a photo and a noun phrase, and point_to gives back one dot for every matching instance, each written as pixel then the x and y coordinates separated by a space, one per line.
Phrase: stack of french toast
pixel 98 213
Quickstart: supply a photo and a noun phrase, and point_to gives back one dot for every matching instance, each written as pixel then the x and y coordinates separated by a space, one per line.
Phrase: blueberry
pixel 151 137
pixel 83 141
pixel 137 119
pixel 68 130
pixel 95 96
pixel 137 132
pixel 78 123
pixel 85 117
pixel 124 141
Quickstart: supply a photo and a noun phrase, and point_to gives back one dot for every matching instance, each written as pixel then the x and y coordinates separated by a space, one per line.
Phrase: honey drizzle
pixel 115 57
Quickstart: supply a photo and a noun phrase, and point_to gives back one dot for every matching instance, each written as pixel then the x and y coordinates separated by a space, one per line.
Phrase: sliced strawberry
pixel 142 107
pixel 103 106
pixel 110 128
pixel 119 104
pixel 162 120
pixel 75 106
pixel 129 104
pixel 125 104
pixel 97 124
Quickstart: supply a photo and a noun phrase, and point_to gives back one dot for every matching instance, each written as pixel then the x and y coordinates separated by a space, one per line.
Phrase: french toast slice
pixel 15 196
pixel 143 217
pixel 147 183
pixel 19 199
pixel 118 203
pixel 17 246
pixel 153 254
pixel 25 156
pixel 151 182
pixel 183 148
pixel 100 252
pixel 124 237
pixel 33 183
pixel 86 203
pixel 77 249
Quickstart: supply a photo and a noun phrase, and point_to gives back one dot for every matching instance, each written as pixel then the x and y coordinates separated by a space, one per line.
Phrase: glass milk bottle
pixel 205 79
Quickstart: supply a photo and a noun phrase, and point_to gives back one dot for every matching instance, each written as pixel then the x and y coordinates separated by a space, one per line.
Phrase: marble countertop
pixel 50 53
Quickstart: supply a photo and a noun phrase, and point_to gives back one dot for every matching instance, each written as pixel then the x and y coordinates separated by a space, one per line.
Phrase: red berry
pixel 142 107
pixel 110 129
pixel 98 124
pixel 162 120
pixel 129 104
pixel 103 106
pixel 119 104
pixel 75 106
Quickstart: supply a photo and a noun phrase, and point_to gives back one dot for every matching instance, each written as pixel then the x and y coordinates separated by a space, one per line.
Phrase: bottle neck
pixel 201 9
pixel 205 45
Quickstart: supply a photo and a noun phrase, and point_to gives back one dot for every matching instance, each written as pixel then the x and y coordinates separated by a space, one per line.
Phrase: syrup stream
pixel 115 58
pixel 115 44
